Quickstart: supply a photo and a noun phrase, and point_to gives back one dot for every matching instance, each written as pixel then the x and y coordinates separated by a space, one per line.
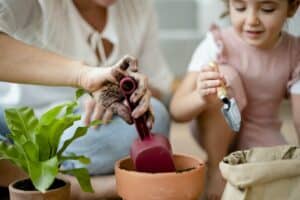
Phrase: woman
pixel 96 32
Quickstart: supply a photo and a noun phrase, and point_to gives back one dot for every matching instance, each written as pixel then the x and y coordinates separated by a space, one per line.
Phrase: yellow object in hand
pixel 222 92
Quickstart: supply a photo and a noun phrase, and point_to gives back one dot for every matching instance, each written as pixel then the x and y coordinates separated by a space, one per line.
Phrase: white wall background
pixel 293 25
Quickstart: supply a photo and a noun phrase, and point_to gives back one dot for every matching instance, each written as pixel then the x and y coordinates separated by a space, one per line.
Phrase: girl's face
pixel 258 22
pixel 105 3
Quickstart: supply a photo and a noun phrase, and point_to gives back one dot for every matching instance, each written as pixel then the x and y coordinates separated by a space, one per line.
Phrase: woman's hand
pixel 208 81
pixel 108 99
pixel 94 78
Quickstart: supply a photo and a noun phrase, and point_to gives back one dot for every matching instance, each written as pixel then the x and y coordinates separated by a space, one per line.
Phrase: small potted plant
pixel 37 151
pixel 152 172
pixel 186 183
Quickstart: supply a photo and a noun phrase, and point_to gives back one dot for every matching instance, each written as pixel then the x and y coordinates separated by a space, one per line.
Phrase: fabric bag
pixel 268 173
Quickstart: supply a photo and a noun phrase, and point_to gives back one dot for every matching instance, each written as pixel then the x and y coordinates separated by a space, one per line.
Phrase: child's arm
pixel 187 102
pixel 295 100
pixel 197 91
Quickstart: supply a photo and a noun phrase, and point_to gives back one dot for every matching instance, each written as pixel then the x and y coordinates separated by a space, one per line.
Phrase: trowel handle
pixel 221 91
pixel 128 85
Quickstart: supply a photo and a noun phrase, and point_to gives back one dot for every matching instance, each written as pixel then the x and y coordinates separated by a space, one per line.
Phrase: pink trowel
pixel 150 152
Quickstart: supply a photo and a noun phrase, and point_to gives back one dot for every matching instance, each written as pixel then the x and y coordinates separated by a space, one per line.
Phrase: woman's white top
pixel 56 25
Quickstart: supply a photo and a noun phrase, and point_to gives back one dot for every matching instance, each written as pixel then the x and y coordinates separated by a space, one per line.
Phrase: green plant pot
pixel 24 190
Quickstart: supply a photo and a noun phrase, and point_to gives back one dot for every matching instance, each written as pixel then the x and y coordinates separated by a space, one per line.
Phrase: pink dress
pixel 266 76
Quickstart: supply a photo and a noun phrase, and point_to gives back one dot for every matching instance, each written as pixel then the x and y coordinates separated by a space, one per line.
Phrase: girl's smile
pixel 253 34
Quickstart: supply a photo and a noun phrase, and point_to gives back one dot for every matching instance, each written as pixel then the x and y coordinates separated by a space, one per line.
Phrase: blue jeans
pixel 3 127
pixel 108 143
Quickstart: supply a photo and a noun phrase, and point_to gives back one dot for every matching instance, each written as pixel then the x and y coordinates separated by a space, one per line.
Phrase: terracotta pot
pixel 185 184
pixel 60 191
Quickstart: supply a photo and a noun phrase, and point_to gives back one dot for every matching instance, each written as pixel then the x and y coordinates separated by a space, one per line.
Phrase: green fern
pixel 35 146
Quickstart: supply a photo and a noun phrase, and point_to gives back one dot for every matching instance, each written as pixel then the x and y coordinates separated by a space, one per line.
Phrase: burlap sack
pixel 271 173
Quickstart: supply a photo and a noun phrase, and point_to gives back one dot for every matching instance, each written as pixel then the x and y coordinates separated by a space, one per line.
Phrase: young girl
pixel 260 64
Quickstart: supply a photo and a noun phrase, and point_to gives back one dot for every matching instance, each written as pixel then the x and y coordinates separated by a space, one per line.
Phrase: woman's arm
pixel 26 64
pixel 23 63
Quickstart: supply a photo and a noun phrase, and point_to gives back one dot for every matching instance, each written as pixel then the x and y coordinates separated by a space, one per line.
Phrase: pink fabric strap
pixel 222 56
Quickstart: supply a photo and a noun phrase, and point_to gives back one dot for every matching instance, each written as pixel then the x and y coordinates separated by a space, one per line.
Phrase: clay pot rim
pixel 16 190
pixel 200 166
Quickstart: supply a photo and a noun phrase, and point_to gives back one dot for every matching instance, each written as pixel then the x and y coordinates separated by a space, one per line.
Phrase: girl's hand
pixel 208 81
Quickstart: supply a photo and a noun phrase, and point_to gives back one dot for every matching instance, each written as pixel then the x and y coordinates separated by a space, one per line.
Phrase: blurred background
pixel 182 25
